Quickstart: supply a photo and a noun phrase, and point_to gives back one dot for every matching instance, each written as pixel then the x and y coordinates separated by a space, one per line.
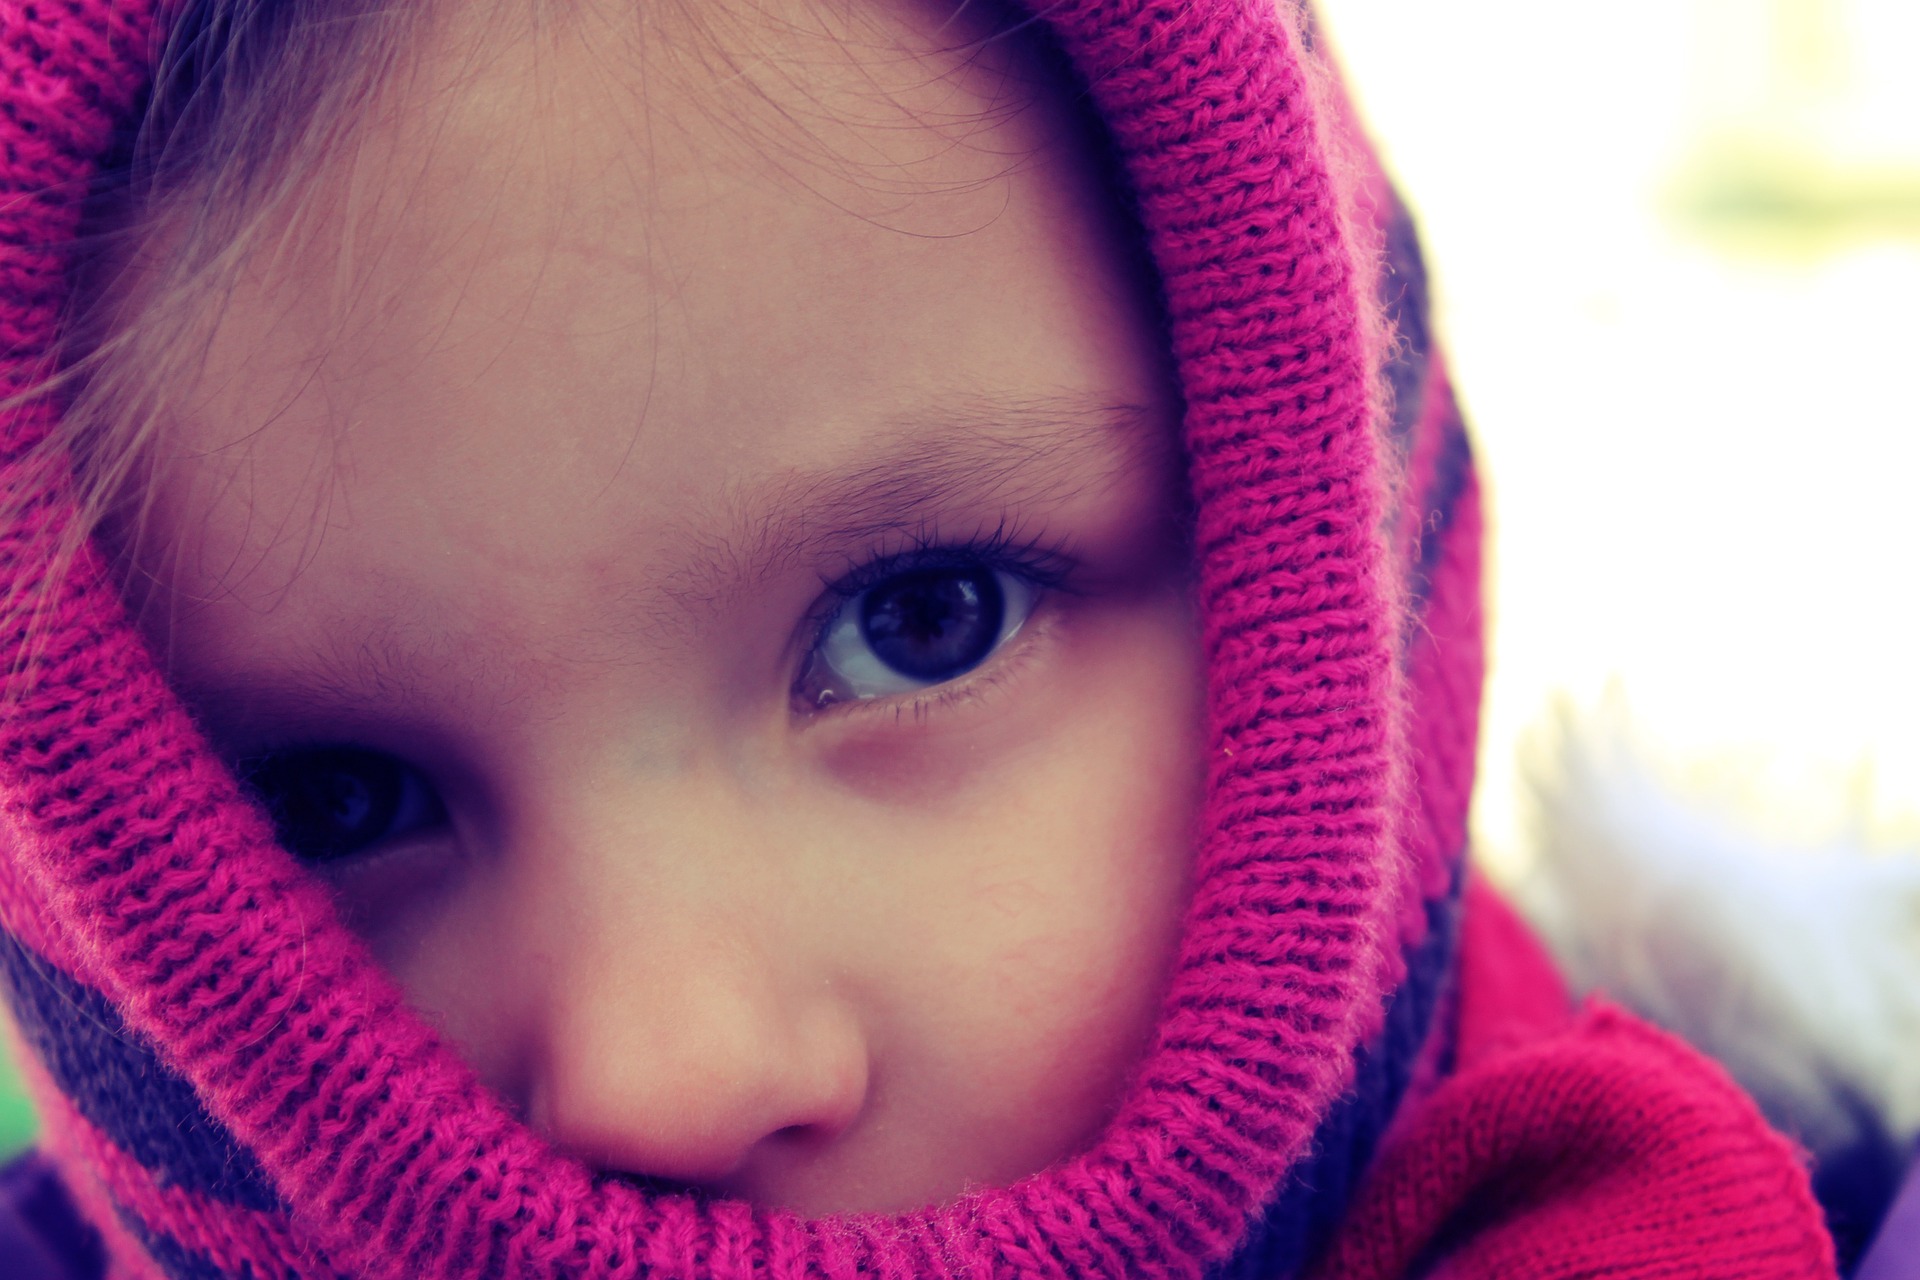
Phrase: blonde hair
pixel 247 99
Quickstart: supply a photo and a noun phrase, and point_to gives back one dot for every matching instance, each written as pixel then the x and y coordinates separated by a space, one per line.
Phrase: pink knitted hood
pixel 232 1087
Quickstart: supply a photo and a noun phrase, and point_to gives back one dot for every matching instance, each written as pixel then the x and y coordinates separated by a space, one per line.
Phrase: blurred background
pixel 1676 246
pixel 1677 254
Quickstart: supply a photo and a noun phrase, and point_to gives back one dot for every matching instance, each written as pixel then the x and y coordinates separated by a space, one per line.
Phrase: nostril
pixel 803 1136
pixel 656 1114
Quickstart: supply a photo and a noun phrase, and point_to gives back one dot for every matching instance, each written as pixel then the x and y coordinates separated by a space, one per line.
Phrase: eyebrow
pixel 974 454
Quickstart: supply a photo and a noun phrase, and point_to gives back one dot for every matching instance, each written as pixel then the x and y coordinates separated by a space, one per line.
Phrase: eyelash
pixel 1046 565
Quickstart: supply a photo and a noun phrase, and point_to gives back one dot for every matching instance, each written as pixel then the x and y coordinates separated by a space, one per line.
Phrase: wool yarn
pixel 1569 1144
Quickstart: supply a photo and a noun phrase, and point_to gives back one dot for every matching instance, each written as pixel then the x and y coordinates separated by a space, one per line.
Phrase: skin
pixel 596 367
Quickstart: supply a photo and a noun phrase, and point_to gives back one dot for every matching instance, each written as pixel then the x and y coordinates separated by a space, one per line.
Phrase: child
pixel 766 640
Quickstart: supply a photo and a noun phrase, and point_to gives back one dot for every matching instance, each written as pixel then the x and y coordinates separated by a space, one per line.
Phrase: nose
pixel 696 1055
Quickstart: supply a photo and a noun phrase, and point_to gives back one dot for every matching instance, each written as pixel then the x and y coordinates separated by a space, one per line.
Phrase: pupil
pixel 934 624
pixel 327 804
pixel 345 799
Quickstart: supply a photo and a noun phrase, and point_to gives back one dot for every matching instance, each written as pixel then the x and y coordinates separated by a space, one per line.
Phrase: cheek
pixel 1038 909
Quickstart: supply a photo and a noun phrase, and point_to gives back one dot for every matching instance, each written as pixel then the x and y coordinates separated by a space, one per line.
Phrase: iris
pixel 333 802
pixel 934 624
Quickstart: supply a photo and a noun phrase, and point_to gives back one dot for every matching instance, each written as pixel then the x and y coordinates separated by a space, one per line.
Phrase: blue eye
pixel 329 803
pixel 918 627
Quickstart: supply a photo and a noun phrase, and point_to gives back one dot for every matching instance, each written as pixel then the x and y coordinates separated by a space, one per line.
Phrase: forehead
pixel 601 276
pixel 818 186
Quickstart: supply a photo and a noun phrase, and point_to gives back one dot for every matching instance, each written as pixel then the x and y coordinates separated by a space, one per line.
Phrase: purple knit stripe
pixel 192 1238
pixel 120 1086
pixel 1443 658
pixel 1448 476
pixel 1297 1224
pixel 195 1234
pixel 1435 533
pixel 406 1168
pixel 177 1262
pixel 1405 307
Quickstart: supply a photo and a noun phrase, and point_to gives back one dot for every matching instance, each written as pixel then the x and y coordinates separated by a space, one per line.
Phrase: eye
pixel 912 629
pixel 330 803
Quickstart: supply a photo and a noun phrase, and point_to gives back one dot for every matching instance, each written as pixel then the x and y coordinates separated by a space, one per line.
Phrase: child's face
pixel 690 547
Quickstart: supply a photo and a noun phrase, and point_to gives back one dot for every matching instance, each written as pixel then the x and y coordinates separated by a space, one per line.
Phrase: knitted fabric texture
pixel 231 1087
pixel 1568 1146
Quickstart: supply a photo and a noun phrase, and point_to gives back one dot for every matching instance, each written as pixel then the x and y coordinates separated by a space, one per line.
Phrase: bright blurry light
pixel 1677 250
